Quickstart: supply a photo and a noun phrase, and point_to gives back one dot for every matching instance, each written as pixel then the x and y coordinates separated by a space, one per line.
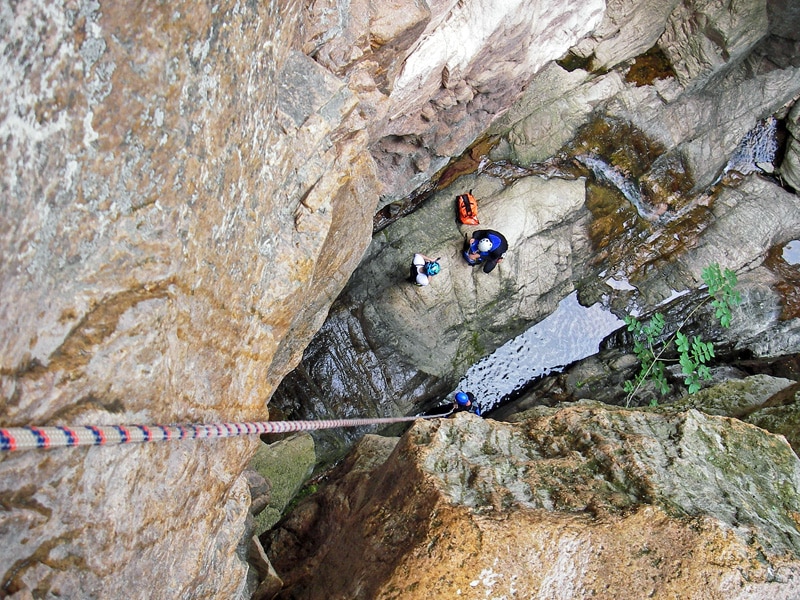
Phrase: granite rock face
pixel 173 179
pixel 700 37
pixel 563 503
pixel 772 403
pixel 461 65
pixel 615 100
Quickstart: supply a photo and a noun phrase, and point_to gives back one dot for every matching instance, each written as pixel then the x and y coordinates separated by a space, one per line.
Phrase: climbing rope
pixel 26 438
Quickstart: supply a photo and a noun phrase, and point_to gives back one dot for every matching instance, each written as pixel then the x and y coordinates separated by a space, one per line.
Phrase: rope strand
pixel 27 438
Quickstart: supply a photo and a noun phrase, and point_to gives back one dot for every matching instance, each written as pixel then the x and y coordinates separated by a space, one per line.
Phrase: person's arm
pixel 496 256
pixel 490 264
pixel 469 247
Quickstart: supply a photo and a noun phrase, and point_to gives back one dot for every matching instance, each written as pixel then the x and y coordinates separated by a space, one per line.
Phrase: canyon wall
pixel 174 178
pixel 186 188
pixel 622 171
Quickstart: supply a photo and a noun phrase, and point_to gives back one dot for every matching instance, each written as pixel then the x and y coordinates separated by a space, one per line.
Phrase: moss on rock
pixel 286 465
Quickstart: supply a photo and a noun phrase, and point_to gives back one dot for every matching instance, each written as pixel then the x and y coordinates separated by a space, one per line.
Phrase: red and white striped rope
pixel 25 438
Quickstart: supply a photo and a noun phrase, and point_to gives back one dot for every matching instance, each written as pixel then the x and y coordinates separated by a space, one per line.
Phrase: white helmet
pixel 485 245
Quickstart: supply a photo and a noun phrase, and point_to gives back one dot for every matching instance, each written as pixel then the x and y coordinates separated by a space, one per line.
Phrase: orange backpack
pixel 467 209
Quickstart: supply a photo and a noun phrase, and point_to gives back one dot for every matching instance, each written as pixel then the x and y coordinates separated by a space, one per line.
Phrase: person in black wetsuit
pixel 487 247
pixel 465 401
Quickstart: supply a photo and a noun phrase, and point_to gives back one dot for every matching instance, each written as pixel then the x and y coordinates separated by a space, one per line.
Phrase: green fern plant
pixel 693 354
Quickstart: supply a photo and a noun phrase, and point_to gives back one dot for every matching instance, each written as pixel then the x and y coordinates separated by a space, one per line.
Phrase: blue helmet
pixel 431 268
pixel 462 398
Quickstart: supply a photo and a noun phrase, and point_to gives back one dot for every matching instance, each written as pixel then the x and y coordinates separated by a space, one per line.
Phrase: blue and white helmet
pixel 432 268
pixel 485 245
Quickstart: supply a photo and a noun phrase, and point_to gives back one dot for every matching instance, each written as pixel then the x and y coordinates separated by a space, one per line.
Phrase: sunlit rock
pixel 548 115
pixel 560 504
pixel 466 68
pixel 772 403
pixel 173 179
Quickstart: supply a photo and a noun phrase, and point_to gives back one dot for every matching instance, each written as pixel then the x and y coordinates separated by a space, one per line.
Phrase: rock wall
pixel 387 345
pixel 565 503
pixel 187 188
pixel 662 94
pixel 432 76
pixel 465 69
pixel 174 177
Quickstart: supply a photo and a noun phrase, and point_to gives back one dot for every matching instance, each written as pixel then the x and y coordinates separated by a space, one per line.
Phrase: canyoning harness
pixel 487 247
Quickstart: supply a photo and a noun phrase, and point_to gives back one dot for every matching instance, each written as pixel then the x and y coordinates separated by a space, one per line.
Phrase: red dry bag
pixel 467 209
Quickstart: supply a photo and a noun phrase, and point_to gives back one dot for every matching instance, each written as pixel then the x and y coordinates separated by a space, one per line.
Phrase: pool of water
pixel 791 252
pixel 571 333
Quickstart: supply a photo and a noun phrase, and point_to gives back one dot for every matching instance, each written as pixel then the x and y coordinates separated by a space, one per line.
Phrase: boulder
pixel 772 403
pixel 464 305
pixel 260 490
pixel 565 502
pixel 268 583
pixel 780 414
pixel 716 83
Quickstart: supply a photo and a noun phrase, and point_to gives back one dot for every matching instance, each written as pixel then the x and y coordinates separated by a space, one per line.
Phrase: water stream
pixel 791 252
pixel 628 187
pixel 571 333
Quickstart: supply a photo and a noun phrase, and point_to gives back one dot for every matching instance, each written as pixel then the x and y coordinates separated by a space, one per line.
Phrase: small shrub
pixel 694 353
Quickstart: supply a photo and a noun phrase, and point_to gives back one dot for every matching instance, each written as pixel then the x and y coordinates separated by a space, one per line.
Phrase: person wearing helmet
pixel 465 401
pixel 423 269
pixel 487 247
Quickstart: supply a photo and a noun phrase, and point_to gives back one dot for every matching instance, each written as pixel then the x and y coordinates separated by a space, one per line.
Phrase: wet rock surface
pixel 565 502
pixel 397 344
pixel 672 185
